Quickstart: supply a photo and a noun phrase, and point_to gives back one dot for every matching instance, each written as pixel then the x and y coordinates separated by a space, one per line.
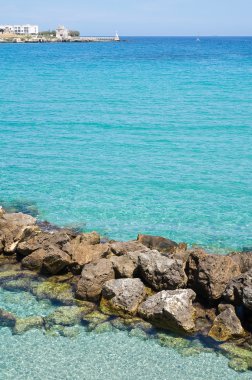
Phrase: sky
pixel 134 17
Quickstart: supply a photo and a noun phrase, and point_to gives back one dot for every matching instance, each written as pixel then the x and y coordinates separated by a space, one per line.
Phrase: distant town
pixel 31 34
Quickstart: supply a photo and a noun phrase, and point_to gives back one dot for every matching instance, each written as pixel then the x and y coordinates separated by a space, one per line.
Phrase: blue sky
pixel 135 17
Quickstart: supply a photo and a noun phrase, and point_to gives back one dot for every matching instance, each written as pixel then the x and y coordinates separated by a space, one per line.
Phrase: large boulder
pixel 122 296
pixel 161 272
pixel 226 325
pixel 239 290
pixel 170 309
pixel 93 277
pixel 157 242
pixel 208 275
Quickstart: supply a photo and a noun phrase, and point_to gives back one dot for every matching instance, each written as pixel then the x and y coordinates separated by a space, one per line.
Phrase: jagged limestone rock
pixel 170 309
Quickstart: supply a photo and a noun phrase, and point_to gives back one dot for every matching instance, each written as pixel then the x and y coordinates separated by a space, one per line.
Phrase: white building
pixel 62 33
pixel 21 29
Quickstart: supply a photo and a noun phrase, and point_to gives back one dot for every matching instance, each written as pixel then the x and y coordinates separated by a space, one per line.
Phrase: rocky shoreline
pixel 150 285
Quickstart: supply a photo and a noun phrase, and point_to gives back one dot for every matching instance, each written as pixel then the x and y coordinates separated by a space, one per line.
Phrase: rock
pixel 170 309
pixel 240 358
pixel 103 328
pixel 34 261
pixel 123 248
pixel 208 275
pixel 58 292
pixel 123 266
pixel 65 316
pixel 123 296
pixel 91 238
pixel 157 242
pixel 239 290
pixel 12 227
pixel 85 254
pixel 25 324
pixel 243 259
pixel 45 240
pixel 226 325
pixel 7 319
pixel 161 272
pixel 94 318
pixel 93 277
pixel 204 318
pixel 55 260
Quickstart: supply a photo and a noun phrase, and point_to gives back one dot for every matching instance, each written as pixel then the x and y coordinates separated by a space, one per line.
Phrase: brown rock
pixel 43 240
pixel 209 274
pixel 239 290
pixel 34 261
pixel 11 227
pixel 123 266
pixel 84 254
pixel 226 325
pixel 55 260
pixel 122 296
pixel 157 242
pixel 243 259
pixel 123 248
pixel 93 277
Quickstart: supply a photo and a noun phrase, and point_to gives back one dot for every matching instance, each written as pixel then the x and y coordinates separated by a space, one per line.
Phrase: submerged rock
pixel 25 324
pixel 122 296
pixel 240 358
pixel 65 316
pixel 208 275
pixel 93 277
pixel 157 242
pixel 170 309
pixel 226 325
pixel 160 272
pixel 59 292
pixel 7 319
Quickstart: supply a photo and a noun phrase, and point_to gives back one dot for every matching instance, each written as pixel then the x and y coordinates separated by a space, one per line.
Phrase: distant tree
pixel 48 33
pixel 74 33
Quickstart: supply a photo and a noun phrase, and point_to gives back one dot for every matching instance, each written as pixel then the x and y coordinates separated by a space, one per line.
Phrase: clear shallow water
pixel 103 356
pixel 151 135
pixel 24 304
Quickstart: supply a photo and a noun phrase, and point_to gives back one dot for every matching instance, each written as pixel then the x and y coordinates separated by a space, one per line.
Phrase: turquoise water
pixel 151 135
pixel 103 356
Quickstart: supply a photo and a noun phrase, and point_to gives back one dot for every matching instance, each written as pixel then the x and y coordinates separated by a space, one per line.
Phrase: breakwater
pixel 34 40
pixel 153 284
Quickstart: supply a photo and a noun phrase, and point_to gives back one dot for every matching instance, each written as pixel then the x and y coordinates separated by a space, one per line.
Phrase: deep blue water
pixel 150 135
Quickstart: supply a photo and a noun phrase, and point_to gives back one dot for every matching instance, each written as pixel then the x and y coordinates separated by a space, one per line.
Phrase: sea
pixel 150 135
